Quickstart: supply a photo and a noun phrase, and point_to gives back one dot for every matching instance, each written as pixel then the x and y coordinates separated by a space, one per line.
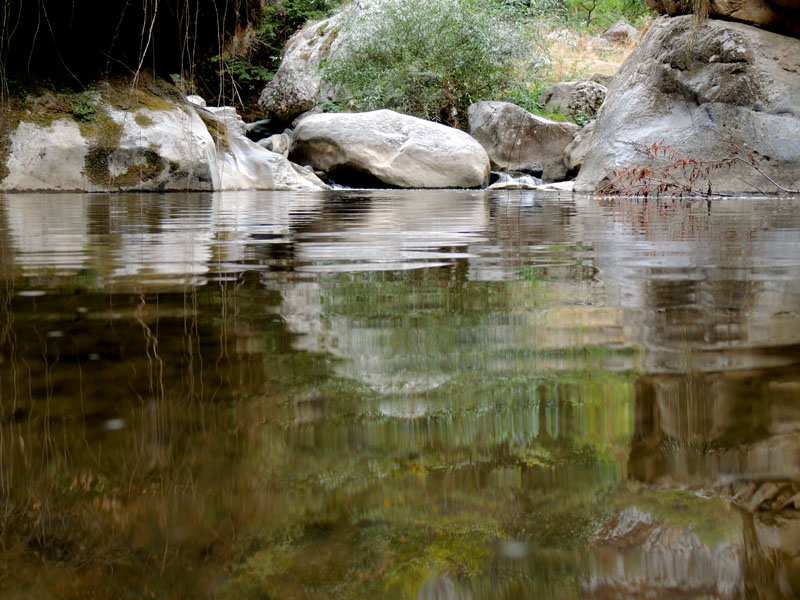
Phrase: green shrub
pixel 430 58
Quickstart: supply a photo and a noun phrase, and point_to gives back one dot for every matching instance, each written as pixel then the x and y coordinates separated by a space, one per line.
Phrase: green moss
pixel 219 131
pixel 149 93
pixel 103 134
pixel 143 120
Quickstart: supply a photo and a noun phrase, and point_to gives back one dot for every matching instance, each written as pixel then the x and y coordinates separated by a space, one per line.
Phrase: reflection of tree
pixel 119 433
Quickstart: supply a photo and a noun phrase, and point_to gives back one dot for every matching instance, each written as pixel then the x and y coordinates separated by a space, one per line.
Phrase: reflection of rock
pixel 637 554
pixel 65 235
pixel 734 435
pixel 671 269
pixel 754 432
pixel 406 346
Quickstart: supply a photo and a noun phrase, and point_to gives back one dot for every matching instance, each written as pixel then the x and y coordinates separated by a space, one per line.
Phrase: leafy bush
pixel 430 58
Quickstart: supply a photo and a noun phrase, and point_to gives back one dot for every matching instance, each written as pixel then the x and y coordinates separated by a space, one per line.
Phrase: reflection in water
pixel 398 394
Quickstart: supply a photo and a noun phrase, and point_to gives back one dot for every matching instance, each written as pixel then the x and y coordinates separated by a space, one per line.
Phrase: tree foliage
pixel 430 58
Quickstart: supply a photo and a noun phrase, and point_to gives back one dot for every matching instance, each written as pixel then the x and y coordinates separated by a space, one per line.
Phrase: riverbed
pixel 398 394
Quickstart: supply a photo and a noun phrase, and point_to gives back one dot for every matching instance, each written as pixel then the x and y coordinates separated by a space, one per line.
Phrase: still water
pixel 424 395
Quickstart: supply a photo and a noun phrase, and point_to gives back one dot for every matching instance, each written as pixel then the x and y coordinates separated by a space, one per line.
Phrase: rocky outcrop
pixel 724 90
pixel 573 98
pixel 171 147
pixel 298 85
pixel 386 149
pixel 779 15
pixel 512 136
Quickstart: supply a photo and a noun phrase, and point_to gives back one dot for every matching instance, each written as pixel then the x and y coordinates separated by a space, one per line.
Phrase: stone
pixel 298 85
pixel 574 97
pixel 46 158
pixel 279 143
pixel 576 151
pixel 511 136
pixel 505 181
pixel 196 100
pixel 264 128
pixel 533 169
pixel 229 116
pixel 724 90
pixel 384 148
pixel 777 15
pixel 602 79
pixel 176 148
pixel 621 32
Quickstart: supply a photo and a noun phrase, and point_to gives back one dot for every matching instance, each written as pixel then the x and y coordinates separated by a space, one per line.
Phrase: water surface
pixel 398 395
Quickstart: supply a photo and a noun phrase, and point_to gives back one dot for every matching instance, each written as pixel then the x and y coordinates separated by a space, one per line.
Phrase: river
pixel 398 394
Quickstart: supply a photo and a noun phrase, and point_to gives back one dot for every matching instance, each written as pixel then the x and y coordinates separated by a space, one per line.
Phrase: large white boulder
pixel 721 91
pixel 512 136
pixel 385 148
pixel 177 147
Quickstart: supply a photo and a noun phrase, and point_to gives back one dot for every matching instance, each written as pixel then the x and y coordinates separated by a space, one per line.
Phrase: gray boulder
pixel 574 97
pixel 384 148
pixel 576 151
pixel 724 90
pixel 621 32
pixel 512 136
pixel 298 86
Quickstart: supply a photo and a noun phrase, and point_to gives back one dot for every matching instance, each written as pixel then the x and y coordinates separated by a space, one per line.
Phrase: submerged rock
pixel 386 149
pixel 722 91
pixel 511 136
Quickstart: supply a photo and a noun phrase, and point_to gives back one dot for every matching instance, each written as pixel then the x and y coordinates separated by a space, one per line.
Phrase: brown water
pixel 449 395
